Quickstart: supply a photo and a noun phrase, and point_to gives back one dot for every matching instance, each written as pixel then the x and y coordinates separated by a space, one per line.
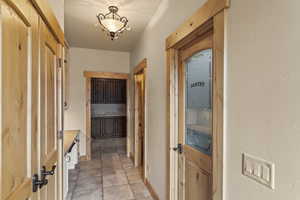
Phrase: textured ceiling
pixel 80 20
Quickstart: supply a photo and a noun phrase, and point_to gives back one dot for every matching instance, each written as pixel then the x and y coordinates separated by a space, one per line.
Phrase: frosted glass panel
pixel 198 108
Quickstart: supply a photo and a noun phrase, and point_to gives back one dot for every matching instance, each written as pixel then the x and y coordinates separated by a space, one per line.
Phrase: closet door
pixel 18 119
pixel 29 99
pixel 14 146
pixel 48 104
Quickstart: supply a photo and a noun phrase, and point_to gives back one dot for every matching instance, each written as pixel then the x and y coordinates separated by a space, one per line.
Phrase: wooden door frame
pixel 141 68
pixel 211 16
pixel 106 75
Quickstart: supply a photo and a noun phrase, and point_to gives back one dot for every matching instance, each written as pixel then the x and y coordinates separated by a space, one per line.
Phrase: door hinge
pixel 60 62
pixel 60 135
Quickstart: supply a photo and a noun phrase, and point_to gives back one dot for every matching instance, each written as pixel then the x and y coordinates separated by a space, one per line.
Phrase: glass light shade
pixel 112 25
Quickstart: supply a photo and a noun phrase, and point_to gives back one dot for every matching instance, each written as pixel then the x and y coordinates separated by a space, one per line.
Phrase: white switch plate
pixel 259 170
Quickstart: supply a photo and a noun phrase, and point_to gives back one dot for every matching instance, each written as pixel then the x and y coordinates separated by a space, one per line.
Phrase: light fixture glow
pixel 112 23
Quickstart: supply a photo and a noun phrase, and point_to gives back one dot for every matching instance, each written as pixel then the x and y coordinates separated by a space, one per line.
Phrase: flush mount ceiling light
pixel 112 23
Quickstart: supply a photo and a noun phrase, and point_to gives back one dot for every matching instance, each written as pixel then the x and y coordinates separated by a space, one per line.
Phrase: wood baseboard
pixel 83 158
pixel 131 157
pixel 151 189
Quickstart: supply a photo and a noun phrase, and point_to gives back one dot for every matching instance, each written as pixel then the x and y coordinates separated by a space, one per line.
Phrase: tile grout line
pixel 134 197
pixel 101 167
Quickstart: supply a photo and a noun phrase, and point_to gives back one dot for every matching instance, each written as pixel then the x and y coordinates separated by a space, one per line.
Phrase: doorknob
pixel 178 148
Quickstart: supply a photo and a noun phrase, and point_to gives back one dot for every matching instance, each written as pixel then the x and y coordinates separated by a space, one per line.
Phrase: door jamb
pixel 106 75
pixel 141 67
pixel 212 15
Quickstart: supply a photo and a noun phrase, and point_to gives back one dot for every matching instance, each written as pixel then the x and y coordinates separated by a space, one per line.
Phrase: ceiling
pixel 80 22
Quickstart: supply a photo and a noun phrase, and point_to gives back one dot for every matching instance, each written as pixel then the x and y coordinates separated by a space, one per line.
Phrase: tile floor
pixel 110 175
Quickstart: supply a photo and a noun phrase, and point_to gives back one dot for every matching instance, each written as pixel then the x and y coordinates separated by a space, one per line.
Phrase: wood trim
pixel 206 42
pixel 171 56
pixel 83 158
pixel 108 75
pixel 88 118
pixel 151 189
pixel 67 45
pixel 218 104
pixel 202 15
pixel 48 16
pixel 131 157
pixel 141 66
pixel 21 9
pixel 44 10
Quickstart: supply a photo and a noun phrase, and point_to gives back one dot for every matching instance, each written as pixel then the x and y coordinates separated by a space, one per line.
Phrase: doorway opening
pixel 108 114
pixel 107 109
pixel 140 116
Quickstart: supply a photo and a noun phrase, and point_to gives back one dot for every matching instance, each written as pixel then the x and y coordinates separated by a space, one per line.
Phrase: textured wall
pixel 262 96
pixel 59 11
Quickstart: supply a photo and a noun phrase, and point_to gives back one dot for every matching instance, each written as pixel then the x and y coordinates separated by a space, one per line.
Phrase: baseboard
pixel 151 189
pixel 131 157
pixel 83 158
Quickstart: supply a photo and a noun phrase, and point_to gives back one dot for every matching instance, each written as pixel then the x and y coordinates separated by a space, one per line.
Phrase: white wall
pixel 262 96
pixel 59 11
pixel 151 45
pixel 88 60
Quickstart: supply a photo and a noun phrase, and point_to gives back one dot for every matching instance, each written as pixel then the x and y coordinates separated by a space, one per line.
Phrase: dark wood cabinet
pixel 109 127
pixel 108 91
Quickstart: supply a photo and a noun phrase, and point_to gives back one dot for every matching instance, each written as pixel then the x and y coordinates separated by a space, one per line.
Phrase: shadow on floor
pixel 110 175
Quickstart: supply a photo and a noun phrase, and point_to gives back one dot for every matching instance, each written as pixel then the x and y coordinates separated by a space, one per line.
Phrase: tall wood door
pixel 14 94
pixel 30 112
pixel 48 111
pixel 195 120
pixel 139 119
pixel 18 91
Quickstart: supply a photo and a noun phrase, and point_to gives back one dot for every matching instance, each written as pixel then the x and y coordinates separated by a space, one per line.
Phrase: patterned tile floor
pixel 110 175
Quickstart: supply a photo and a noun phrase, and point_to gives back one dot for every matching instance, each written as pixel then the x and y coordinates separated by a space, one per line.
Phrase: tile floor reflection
pixel 110 175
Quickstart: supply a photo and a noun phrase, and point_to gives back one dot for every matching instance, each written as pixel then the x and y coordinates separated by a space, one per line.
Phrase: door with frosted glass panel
pixel 195 120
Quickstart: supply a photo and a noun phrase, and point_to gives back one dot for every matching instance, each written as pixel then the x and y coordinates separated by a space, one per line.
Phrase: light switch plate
pixel 259 170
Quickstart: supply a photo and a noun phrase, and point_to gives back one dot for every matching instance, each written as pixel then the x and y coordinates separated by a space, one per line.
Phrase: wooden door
pixel 139 118
pixel 195 120
pixel 29 103
pixel 14 94
pixel 48 111
pixel 18 92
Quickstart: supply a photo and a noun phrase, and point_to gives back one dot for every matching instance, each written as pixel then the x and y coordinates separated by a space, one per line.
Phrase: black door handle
pixel 46 173
pixel 178 148
pixel 36 183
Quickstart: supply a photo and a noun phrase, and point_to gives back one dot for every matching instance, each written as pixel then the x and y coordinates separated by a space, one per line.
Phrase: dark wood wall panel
pixel 109 127
pixel 108 91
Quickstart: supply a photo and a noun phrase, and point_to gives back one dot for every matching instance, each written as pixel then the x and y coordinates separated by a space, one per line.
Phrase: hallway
pixel 110 175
